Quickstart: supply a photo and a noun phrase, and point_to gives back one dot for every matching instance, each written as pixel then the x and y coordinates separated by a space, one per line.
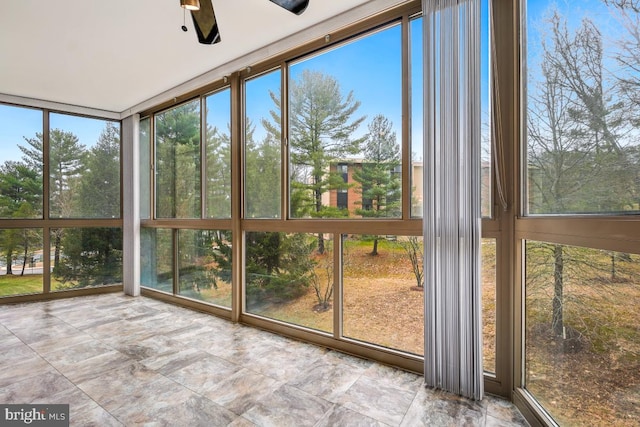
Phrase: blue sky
pixel 361 66
pixel 17 123
pixel 538 11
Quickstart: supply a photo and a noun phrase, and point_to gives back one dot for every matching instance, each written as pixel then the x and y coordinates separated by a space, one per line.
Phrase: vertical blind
pixel 453 320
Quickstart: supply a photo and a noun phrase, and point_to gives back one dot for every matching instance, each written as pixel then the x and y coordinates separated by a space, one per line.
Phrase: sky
pixel 360 66
pixel 574 11
pixel 16 123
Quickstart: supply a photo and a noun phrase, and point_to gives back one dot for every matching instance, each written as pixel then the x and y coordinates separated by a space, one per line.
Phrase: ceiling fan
pixel 204 19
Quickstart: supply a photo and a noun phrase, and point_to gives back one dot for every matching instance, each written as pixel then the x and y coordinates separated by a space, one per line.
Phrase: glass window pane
pixel 84 167
pixel 336 117
pixel 21 261
pixel 178 162
pixel 218 154
pixel 20 162
pixel 417 117
pixel 582 338
pixel 383 293
pixel 145 168
pixel 287 279
pixel 487 122
pixel 205 265
pixel 262 150
pixel 489 304
pixel 85 257
pixel 583 83
pixel 156 259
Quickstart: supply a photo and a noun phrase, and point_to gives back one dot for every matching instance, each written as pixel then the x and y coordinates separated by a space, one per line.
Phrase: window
pixel 334 115
pixel 204 266
pixel 84 167
pixel 156 263
pixel 580 186
pixel 342 193
pixel 20 171
pixel 21 261
pixel 582 144
pixel 177 143
pixel 82 157
pixel 489 304
pixel 582 336
pixel 145 168
pixel 383 296
pixel 417 117
pixel 85 257
pixel 218 154
pixel 262 147
pixel 288 280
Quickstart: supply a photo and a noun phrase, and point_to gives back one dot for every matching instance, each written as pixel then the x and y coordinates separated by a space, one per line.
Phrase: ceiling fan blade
pixel 204 20
pixel 294 6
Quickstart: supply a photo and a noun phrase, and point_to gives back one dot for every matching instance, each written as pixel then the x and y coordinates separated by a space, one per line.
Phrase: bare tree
pixel 413 247
pixel 575 160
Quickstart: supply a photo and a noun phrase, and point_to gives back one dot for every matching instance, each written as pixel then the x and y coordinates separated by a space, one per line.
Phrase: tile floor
pixel 119 360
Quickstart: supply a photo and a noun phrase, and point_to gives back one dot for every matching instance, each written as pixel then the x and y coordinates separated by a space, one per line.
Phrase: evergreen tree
pixel 178 162
pixel 218 172
pixel 99 189
pixel 278 266
pixel 321 125
pixel 20 191
pixel 93 257
pixel 380 181
pixel 20 184
pixel 66 157
pixel 262 175
pixel 27 240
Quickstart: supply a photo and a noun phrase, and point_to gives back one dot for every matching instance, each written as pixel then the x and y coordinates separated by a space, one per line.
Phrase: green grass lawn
pixel 20 285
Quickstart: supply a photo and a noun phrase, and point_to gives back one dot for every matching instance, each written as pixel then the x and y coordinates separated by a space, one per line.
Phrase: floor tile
pixel 395 377
pixel 204 373
pixel 326 380
pixel 502 410
pixel 242 390
pixel 35 388
pixel 385 403
pixel 341 416
pixel 21 370
pixel 194 412
pixel 115 387
pixel 288 406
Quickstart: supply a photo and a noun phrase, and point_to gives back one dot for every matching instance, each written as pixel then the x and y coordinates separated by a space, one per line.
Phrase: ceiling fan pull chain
pixel 184 19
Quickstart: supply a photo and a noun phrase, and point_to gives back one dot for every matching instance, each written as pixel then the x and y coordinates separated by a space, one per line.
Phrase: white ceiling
pixel 116 54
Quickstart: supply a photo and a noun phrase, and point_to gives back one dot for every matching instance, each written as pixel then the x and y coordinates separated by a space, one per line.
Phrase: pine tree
pixel 218 173
pixel 262 175
pixel 379 178
pixel 66 157
pixel 178 162
pixel 99 190
pixel 321 125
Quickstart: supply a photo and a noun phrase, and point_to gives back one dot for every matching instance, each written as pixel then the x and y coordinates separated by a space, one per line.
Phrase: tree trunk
pixel 320 243
pixel 24 259
pixel 374 251
pixel 56 252
pixel 9 262
pixel 318 201
pixel 558 276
